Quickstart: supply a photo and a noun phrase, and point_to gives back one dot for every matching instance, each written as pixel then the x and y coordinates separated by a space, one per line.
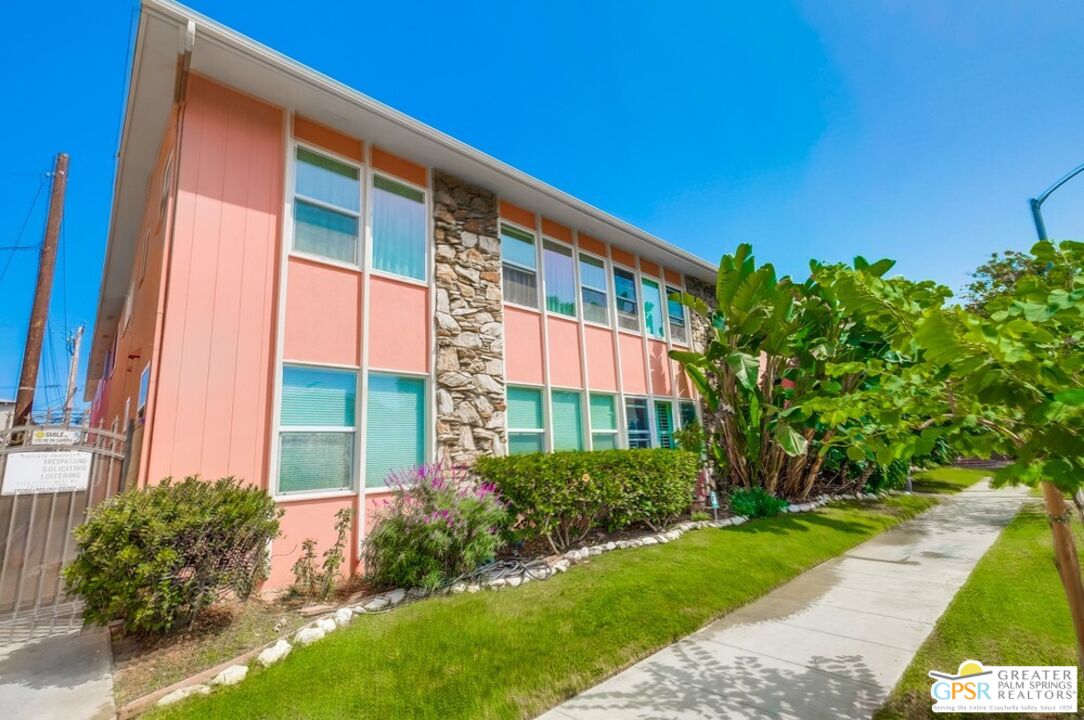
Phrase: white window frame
pixel 371 244
pixel 543 397
pixel 281 430
pixel 293 196
pixel 614 267
pixel 684 316
pixel 585 415
pixel 650 421
pixel 536 270
pixel 608 273
pixel 575 316
pixel 427 422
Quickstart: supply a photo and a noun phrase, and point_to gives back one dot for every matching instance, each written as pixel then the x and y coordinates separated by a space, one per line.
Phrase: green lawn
pixel 947 480
pixel 1011 611
pixel 515 653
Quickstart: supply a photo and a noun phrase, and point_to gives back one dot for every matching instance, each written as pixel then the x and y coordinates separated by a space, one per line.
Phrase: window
pixel 567 420
pixel 593 290
pixel 664 423
pixel 316 429
pixel 395 426
pixel 327 202
pixel 399 236
pixel 688 413
pixel 638 423
pixel 653 308
pixel 560 278
pixel 525 430
pixel 144 387
pixel 676 312
pixel 520 265
pixel 625 289
pixel 603 422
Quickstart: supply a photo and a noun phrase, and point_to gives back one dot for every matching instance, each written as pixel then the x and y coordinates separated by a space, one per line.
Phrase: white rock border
pixel 537 570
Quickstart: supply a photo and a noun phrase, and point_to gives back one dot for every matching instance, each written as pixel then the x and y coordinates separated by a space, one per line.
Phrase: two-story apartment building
pixel 308 290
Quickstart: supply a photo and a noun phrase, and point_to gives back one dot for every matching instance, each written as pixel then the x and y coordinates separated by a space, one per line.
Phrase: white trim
pixel 517 305
pixel 547 407
pixel 315 495
pixel 385 275
pixel 286 242
pixel 321 260
pixel 363 350
pixel 587 440
pixel 319 364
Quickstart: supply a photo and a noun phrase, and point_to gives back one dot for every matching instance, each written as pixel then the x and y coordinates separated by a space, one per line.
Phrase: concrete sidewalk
pixel 63 677
pixel 831 643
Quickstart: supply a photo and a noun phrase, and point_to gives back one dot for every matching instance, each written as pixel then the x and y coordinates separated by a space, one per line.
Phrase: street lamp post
pixel 1037 202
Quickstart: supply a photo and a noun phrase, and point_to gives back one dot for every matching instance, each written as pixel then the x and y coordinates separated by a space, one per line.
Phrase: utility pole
pixel 73 371
pixel 35 332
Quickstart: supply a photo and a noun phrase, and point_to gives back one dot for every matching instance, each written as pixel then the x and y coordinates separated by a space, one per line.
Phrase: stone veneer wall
pixel 700 326
pixel 469 320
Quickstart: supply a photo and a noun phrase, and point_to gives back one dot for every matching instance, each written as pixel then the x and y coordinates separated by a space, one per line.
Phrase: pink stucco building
pixel 308 290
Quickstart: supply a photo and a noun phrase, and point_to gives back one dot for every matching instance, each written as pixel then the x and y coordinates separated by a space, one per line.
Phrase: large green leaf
pixel 745 368
pixel 790 440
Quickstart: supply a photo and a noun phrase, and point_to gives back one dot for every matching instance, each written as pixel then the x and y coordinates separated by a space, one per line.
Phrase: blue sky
pixel 908 129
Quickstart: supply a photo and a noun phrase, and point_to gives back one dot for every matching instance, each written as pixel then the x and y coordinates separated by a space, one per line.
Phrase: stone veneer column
pixel 700 326
pixel 469 320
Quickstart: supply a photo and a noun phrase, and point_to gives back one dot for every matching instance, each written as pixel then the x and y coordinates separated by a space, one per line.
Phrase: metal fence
pixel 36 521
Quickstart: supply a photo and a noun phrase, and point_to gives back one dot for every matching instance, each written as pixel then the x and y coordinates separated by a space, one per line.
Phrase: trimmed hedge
pixel 562 496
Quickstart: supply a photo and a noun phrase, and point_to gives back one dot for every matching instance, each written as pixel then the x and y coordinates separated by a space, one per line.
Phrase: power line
pixel 22 229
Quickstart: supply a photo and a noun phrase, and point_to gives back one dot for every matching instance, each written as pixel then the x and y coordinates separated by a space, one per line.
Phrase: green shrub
pixel 700 515
pixel 755 503
pixel 318 583
pixel 438 525
pixel 155 557
pixel 562 496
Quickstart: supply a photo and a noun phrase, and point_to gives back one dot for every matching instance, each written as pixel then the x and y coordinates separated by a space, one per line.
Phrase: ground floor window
pixel 639 426
pixel 395 426
pixel 688 412
pixel 316 429
pixel 525 426
pixel 604 435
pixel 567 420
pixel 664 423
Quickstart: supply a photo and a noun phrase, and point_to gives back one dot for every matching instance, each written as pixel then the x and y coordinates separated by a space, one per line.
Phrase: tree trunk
pixel 1065 558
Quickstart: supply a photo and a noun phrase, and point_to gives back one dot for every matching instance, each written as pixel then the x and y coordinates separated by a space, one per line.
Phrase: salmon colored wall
pixel 556 231
pixel 649 268
pixel 214 380
pixel 685 388
pixel 323 136
pixel 564 348
pixel 659 368
pixel 672 277
pixel 138 338
pixel 522 345
pixel 622 257
pixel 395 165
pixel 323 304
pixel 633 373
pixel 517 214
pixel 398 325
pixel 601 366
pixel 590 244
pixel 304 519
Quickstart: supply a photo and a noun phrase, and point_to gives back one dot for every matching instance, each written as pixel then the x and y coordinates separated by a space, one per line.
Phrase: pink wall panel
pixel 601 366
pixel 685 388
pixel 633 372
pixel 306 519
pixel 399 325
pixel 214 379
pixel 564 347
pixel 323 305
pixel 659 367
pixel 522 345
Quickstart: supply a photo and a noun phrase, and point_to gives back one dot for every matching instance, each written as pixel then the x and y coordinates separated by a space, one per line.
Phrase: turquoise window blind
pixel 399 236
pixel 603 422
pixel 326 214
pixel 653 308
pixel 318 397
pixel 324 232
pixel 664 423
pixel 525 425
pixel 567 421
pixel 560 279
pixel 395 426
pixel 517 247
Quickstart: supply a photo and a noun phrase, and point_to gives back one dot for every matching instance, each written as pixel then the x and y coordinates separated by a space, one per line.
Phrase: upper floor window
pixel 593 290
pixel 625 291
pixel 520 267
pixel 653 308
pixel 327 205
pixel 676 312
pixel 399 234
pixel 560 278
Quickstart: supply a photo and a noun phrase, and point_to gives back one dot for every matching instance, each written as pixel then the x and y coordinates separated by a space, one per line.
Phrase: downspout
pixel 180 98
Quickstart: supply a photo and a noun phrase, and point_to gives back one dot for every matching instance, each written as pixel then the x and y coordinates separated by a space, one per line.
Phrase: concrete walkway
pixel 63 677
pixel 831 643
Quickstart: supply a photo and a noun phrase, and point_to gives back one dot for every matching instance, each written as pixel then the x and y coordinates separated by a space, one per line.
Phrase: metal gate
pixel 36 522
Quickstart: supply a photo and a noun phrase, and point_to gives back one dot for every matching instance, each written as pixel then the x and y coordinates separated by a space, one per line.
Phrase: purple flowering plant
pixel 439 523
